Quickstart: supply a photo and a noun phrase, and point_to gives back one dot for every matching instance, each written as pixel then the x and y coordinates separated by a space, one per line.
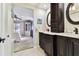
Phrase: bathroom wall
pixel 68 26
pixel 40 14
pixel 49 20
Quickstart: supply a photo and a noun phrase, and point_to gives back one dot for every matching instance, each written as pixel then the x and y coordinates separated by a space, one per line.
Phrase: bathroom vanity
pixel 59 44
pixel 56 42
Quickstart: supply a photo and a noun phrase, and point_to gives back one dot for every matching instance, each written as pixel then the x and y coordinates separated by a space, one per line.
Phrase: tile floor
pixel 31 52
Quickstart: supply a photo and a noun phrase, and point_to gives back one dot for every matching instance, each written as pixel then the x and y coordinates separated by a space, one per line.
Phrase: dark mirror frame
pixel 68 16
pixel 47 19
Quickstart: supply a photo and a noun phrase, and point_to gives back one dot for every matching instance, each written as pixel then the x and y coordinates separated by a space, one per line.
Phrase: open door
pixel 6 29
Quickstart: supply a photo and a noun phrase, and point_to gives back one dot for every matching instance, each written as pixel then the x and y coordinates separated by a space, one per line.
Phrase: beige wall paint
pixel 69 27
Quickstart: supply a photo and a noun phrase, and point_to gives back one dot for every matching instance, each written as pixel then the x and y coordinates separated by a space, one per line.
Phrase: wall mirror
pixel 72 13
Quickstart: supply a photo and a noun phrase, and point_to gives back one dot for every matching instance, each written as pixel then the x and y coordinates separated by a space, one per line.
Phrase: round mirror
pixel 72 13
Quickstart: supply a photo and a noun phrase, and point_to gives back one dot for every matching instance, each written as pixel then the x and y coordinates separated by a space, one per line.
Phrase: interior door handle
pixel 2 40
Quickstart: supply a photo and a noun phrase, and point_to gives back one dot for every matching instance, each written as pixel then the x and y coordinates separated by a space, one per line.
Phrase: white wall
pixel 68 26
pixel 40 13
pixel 49 20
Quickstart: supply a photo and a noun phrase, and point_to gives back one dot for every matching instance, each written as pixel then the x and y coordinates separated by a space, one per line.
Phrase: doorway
pixel 23 28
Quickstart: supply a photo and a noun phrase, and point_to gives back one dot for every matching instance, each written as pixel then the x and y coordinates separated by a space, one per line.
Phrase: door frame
pixel 34 18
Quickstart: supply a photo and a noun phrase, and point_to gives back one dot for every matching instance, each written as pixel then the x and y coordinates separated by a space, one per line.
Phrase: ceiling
pixel 40 5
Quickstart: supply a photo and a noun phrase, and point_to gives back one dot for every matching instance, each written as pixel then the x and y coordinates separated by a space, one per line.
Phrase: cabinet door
pixel 46 43
pixel 63 46
pixel 76 47
pixel 42 40
pixel 73 47
pixel 49 45
pixel 60 46
pixel 70 46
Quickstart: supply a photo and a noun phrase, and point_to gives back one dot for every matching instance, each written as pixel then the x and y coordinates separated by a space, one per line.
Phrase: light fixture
pixel 72 8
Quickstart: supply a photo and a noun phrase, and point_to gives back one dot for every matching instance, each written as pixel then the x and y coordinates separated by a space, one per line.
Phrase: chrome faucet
pixel 76 30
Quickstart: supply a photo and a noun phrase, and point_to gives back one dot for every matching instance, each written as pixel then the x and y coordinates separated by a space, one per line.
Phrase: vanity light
pixel 73 7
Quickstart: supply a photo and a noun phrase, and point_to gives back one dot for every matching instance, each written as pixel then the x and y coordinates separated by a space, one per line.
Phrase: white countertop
pixel 61 34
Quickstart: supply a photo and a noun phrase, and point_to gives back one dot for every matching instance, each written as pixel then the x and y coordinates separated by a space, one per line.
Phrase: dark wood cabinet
pixel 55 45
pixel 64 46
pixel 57 17
pixel 72 46
pixel 46 43
pixel 67 46
pixel 61 46
pixel 75 47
